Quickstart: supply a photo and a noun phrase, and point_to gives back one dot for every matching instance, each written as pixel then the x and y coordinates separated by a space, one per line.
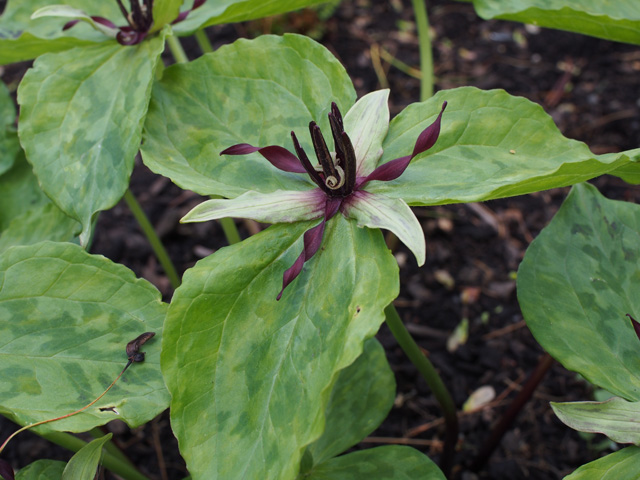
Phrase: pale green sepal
pixel 379 211
pixel 66 11
pixel 621 465
pixel 277 207
pixel 81 115
pixel 616 418
pixel 164 12
pixel 391 462
pixel 66 317
pixel 42 470
pixel 367 123
pixel 84 463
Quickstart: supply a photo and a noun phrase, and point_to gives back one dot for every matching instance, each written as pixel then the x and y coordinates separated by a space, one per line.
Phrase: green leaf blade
pixel 81 122
pixel 392 462
pixel 42 470
pixel 621 465
pixel 491 145
pixel 84 463
pixel 260 371
pixel 577 282
pixel 231 11
pixel 66 317
pixel 278 84
pixel 360 400
pixel 618 20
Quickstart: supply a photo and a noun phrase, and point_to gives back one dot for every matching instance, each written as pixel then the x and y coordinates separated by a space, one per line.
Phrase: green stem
pixel 203 41
pixel 426 54
pixel 153 239
pixel 429 373
pixel 176 49
pixel 109 461
pixel 230 230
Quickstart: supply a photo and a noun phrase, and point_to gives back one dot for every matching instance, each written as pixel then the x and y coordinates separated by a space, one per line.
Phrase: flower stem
pixel 429 373
pixel 176 49
pixel 426 54
pixel 153 239
pixel 110 461
pixel 203 41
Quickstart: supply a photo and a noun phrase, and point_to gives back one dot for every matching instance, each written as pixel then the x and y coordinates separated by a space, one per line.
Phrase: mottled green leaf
pixel 42 470
pixel 249 92
pixel 393 462
pixel 232 11
pixel 360 400
pixel 84 464
pixel 621 465
pixel 23 39
pixel 617 20
pixel 81 115
pixel 578 280
pixel 20 192
pixel 44 222
pixel 616 418
pixel 9 146
pixel 250 377
pixel 491 145
pixel 66 317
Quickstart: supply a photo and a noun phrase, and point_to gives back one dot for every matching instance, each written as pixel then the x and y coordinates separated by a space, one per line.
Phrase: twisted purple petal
pixel 636 325
pixel 312 241
pixel 104 21
pixel 279 157
pixel 429 135
pixel 69 24
pixel 393 169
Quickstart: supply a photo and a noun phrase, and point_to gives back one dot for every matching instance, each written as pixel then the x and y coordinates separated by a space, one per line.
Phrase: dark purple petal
pixel 104 21
pixel 387 171
pixel 636 325
pixel 6 471
pixel 393 169
pixel 185 14
pixel 279 157
pixel 428 137
pixel 312 242
pixel 70 24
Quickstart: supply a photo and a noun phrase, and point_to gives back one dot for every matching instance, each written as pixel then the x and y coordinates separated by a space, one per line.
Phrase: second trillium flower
pixel 341 178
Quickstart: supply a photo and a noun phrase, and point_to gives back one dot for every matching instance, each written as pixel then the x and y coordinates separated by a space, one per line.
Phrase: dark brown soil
pixel 590 88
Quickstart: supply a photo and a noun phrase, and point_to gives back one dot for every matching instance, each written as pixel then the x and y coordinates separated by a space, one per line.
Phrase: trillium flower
pixel 139 19
pixel 341 178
